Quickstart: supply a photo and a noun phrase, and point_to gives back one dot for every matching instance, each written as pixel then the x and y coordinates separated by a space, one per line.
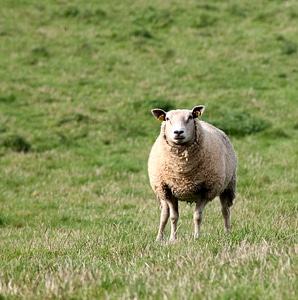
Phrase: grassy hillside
pixel 78 219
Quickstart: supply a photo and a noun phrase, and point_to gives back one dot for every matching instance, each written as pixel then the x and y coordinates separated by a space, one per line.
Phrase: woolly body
pixel 197 170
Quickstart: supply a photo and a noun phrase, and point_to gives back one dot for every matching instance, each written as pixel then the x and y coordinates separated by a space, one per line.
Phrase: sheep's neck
pixel 183 159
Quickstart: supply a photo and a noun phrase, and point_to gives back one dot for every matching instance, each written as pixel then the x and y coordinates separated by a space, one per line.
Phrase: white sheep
pixel 191 161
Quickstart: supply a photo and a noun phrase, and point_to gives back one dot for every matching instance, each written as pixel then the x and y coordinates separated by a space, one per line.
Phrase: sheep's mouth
pixel 179 139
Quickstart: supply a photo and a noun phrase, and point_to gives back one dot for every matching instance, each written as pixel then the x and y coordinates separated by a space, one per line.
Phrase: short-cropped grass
pixel 78 219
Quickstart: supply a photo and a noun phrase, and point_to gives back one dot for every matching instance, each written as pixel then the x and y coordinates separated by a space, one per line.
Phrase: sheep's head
pixel 179 124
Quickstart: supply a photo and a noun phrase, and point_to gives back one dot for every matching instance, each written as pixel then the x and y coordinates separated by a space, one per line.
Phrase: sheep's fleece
pixel 191 161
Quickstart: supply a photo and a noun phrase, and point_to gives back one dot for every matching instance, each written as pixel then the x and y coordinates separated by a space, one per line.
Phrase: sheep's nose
pixel 179 132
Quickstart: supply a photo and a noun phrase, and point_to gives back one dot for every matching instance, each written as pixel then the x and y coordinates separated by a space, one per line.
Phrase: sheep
pixel 191 161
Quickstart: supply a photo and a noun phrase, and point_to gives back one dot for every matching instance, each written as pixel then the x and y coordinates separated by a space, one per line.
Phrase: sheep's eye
pixel 189 118
pixel 167 119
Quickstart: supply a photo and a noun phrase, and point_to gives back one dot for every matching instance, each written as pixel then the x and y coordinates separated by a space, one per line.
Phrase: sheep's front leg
pixel 174 216
pixel 198 217
pixel 165 212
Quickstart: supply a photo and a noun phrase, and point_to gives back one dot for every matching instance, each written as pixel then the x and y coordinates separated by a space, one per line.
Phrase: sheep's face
pixel 179 124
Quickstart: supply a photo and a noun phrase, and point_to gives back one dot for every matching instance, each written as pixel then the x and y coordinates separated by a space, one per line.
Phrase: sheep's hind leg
pixel 165 212
pixel 198 217
pixel 226 201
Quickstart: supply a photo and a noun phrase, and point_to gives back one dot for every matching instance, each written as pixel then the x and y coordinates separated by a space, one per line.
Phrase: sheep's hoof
pixel 196 236
pixel 159 238
pixel 172 240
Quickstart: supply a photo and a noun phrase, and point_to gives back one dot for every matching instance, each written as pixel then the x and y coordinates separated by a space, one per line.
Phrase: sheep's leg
pixel 174 216
pixel 165 212
pixel 198 217
pixel 226 202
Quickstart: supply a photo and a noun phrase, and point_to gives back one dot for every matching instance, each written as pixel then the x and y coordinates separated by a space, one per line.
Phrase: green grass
pixel 78 219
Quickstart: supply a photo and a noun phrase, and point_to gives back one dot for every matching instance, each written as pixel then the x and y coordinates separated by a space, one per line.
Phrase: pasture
pixel 78 219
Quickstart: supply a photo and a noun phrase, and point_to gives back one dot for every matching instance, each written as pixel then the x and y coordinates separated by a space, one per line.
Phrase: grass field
pixel 78 219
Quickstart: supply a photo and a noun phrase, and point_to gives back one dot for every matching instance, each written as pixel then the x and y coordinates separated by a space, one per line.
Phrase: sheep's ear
pixel 159 114
pixel 197 111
